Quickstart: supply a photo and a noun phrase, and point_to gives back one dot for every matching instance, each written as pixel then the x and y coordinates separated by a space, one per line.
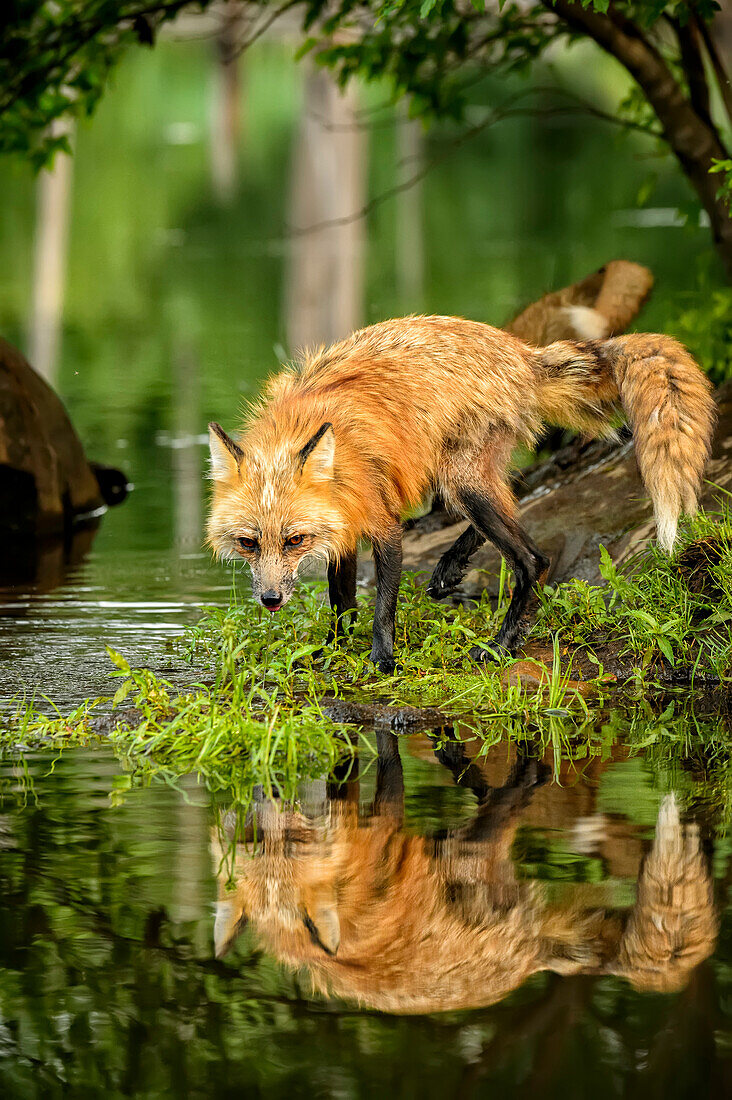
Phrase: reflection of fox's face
pixel 410 925
pixel 288 881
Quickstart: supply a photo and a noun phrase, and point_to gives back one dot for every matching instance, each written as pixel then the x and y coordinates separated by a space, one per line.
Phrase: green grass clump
pixel 234 737
pixel 646 610
pixel 290 655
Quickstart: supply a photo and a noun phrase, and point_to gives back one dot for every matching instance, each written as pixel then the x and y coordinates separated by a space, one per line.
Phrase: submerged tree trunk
pixel 690 133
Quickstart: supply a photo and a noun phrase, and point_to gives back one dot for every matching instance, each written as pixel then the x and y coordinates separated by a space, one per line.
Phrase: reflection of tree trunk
pixel 225 123
pixel 409 242
pixel 325 274
pixel 186 451
pixel 525 1025
pixel 49 269
pixel 189 870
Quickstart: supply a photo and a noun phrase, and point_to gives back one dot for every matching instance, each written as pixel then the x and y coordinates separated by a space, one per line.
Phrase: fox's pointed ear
pixel 230 923
pixel 318 454
pixel 226 455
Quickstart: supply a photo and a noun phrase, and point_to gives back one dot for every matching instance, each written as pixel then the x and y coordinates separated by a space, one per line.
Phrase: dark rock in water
pixel 46 482
pixel 573 508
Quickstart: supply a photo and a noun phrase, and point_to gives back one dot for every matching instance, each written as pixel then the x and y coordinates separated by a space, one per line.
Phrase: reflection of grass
pixel 257 718
pixel 538 855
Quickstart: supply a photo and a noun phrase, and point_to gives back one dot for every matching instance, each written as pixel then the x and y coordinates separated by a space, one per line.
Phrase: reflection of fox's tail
pixel 674 925
pixel 665 396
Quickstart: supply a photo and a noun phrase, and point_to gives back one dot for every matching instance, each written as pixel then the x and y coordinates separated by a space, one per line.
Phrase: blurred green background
pixel 174 302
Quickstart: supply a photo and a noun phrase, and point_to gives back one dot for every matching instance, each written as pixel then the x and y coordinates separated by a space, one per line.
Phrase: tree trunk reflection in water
pixel 324 281
pixel 186 447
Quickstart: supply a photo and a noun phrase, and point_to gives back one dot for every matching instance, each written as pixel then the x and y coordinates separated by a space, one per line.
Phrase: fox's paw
pixel 446 577
pixel 383 662
pixel 492 652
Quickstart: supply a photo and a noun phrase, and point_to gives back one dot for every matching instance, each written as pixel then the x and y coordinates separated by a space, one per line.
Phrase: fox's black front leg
pixel 388 561
pixel 527 561
pixel 451 567
pixel 342 594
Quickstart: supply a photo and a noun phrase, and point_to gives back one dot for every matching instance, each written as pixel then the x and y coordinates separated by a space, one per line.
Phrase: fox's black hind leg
pixel 451 567
pixel 342 594
pixel 388 561
pixel 530 566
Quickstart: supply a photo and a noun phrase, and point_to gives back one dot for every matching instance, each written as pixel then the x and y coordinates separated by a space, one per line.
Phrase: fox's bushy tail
pixel 665 396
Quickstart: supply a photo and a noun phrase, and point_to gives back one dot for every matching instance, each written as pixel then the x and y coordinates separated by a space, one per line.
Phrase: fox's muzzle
pixel 271 599
pixel 272 583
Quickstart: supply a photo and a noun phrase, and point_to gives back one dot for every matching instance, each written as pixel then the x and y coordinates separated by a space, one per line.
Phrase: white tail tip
pixel 666 523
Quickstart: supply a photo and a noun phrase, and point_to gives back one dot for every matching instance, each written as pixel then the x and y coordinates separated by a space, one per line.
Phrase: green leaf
pixel 644 617
pixel 117 659
pixel 122 692
pixel 608 571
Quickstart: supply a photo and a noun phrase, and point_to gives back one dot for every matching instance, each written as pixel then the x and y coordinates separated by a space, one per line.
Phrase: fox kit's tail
pixel 665 396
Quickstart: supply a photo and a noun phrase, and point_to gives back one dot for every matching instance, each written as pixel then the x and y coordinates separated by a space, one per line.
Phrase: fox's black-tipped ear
pixel 226 455
pixel 319 453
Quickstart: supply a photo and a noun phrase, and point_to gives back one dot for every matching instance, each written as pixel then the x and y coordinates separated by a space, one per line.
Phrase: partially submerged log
pixel 400 719
pixel 572 510
pixel 602 304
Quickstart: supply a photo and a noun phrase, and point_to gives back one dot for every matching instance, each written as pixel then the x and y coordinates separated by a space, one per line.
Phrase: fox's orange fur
pixel 422 403
pixel 422 400
pixel 402 923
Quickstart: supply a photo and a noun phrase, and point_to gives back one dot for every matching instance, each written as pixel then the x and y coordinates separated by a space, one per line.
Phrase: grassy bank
pixel 256 713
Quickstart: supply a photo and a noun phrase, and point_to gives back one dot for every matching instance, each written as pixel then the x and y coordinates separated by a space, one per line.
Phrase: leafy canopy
pixel 56 55
pixel 432 49
pixel 55 59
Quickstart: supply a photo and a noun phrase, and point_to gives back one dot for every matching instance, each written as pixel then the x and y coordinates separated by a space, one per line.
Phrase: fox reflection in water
pixel 410 924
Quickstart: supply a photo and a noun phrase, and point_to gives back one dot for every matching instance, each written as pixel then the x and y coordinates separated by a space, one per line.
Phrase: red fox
pixel 345 442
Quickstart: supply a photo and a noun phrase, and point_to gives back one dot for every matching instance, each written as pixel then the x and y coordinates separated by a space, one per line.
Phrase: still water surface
pixel 425 929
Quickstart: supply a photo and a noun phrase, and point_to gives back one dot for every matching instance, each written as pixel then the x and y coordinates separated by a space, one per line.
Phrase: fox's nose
pixel 271 599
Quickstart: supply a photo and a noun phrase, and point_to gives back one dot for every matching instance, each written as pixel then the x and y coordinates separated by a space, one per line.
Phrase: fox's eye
pixel 247 543
pixel 294 540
